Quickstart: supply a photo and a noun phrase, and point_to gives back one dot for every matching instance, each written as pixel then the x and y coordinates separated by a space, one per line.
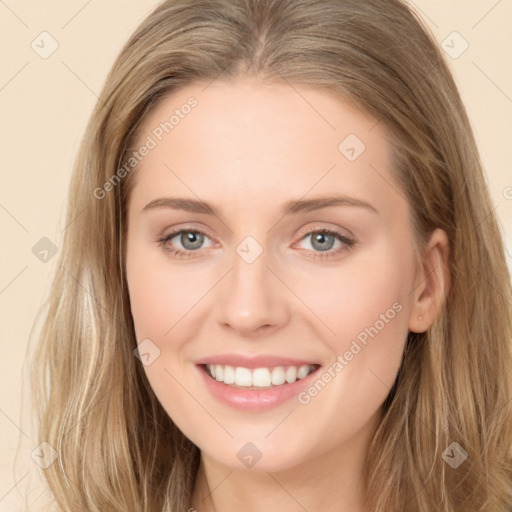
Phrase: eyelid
pixel 301 234
pixel 168 234
pixel 347 241
pixel 175 230
pixel 324 226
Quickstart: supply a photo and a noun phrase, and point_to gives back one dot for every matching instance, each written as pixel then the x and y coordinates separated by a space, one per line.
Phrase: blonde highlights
pixel 117 448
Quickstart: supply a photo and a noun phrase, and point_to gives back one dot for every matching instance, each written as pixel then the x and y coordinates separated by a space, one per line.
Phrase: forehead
pixel 242 139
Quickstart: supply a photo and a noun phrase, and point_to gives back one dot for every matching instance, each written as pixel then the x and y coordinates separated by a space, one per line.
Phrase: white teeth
pixel 291 374
pixel 278 376
pixel 303 371
pixel 229 375
pixel 259 377
pixel 243 376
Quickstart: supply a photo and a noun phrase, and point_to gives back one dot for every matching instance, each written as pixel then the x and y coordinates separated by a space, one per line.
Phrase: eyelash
pixel 321 255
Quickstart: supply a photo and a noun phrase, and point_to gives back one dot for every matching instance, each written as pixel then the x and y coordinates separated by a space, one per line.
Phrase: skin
pixel 248 148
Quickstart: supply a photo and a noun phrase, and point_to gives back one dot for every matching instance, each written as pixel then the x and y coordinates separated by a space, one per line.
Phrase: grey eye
pixel 191 240
pixel 322 241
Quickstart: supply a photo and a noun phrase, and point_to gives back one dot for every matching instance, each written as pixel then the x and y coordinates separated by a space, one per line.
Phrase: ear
pixel 432 283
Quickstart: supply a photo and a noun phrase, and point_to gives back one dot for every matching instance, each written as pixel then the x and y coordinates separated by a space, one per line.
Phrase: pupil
pixel 320 238
pixel 194 240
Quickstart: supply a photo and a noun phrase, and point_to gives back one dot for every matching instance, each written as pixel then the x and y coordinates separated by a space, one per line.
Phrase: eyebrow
pixel 289 208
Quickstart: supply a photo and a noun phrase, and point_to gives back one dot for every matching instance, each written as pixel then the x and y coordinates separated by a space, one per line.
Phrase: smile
pixel 258 378
pixel 256 389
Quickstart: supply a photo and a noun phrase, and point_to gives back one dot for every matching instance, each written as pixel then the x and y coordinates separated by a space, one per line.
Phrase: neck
pixel 330 481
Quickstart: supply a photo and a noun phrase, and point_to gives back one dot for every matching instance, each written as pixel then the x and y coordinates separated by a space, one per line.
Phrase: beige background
pixel 45 104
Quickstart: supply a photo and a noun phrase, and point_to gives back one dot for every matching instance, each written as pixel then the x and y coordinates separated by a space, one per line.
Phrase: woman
pixel 279 208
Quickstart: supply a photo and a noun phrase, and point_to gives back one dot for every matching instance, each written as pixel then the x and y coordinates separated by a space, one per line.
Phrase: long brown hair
pixel 117 448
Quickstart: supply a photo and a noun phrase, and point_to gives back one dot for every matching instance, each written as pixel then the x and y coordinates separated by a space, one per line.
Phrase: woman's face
pixel 304 260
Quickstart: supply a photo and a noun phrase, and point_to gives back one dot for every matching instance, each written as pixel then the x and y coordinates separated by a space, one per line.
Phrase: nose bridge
pixel 252 297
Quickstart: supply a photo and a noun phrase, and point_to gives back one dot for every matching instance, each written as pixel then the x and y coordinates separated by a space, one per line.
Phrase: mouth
pixel 257 389
pixel 239 377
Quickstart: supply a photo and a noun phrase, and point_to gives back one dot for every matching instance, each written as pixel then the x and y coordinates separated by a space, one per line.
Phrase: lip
pixel 252 362
pixel 254 400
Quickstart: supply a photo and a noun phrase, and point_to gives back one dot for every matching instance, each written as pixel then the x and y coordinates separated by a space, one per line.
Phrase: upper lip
pixel 258 361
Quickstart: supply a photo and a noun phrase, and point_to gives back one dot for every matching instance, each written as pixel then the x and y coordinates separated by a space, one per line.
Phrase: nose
pixel 252 299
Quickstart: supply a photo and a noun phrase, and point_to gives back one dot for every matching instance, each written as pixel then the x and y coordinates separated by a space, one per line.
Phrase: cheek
pixel 160 295
pixel 362 291
pixel 160 299
pixel 349 299
pixel 365 305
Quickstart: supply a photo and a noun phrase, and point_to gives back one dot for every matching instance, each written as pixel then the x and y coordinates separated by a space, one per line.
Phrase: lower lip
pixel 254 399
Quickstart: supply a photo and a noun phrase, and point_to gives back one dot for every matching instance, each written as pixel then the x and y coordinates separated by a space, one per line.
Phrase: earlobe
pixel 432 284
